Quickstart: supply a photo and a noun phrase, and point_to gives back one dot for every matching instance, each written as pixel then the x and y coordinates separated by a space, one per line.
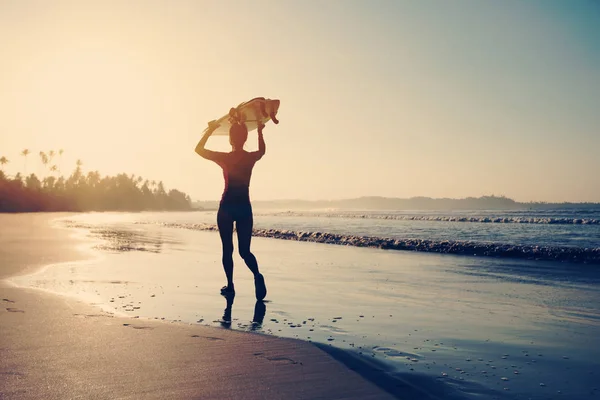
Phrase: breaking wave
pixel 472 248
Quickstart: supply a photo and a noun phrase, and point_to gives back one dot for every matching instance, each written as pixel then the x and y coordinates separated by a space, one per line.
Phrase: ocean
pixel 567 235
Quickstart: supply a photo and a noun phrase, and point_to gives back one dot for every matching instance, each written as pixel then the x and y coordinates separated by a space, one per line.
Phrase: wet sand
pixel 58 347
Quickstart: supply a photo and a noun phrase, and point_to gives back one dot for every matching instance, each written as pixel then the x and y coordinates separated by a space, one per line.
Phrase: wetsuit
pixel 235 207
pixel 235 202
pixel 237 170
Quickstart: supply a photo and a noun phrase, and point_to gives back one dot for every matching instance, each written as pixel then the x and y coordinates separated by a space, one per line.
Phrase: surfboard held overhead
pixel 249 112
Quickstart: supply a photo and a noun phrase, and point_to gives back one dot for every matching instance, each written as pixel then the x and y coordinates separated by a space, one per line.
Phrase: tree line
pixel 82 191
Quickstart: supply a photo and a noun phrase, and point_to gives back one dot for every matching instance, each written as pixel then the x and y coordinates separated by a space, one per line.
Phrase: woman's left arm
pixel 262 148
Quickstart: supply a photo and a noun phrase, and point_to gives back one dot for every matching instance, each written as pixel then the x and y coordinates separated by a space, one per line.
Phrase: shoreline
pixel 56 346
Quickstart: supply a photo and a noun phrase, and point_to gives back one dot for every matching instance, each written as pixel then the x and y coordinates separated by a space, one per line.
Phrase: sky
pixel 378 98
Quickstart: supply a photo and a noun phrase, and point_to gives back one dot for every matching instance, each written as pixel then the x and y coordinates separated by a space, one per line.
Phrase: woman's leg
pixel 244 232
pixel 225 224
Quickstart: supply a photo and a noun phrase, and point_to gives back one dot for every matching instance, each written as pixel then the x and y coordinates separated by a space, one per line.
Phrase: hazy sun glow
pixel 383 98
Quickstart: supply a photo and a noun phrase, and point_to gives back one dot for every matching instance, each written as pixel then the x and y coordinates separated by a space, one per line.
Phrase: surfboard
pixel 249 112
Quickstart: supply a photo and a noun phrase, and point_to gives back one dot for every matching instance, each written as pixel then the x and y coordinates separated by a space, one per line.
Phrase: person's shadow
pixel 260 309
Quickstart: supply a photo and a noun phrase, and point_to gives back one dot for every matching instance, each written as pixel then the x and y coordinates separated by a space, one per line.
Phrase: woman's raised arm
pixel 262 148
pixel 200 147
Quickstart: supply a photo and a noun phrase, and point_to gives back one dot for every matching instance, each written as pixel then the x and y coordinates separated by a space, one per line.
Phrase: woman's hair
pixel 238 134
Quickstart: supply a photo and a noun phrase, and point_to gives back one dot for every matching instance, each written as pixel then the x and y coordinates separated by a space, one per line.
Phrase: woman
pixel 235 203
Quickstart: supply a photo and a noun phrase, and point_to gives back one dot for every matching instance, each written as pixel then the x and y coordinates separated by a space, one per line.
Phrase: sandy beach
pixel 59 347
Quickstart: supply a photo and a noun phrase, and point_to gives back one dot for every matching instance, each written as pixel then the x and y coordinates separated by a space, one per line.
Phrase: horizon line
pixel 281 200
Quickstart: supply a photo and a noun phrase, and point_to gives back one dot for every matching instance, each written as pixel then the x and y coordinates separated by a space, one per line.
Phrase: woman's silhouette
pixel 235 203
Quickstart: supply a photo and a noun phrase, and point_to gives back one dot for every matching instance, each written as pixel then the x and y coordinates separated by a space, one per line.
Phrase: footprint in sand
pixel 284 360
pixel 9 309
pixel 138 327
pixel 277 360
pixel 92 315
pixel 8 301
pixel 207 337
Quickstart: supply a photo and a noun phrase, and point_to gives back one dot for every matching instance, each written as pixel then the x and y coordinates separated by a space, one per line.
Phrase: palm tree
pixel 75 178
pixel 48 182
pixel 93 179
pixel 44 159
pixel 161 188
pixel 51 155
pixel 25 153
pixel 60 153
pixel 3 161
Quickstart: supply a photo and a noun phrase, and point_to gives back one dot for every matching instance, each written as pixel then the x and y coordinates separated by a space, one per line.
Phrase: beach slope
pixel 57 347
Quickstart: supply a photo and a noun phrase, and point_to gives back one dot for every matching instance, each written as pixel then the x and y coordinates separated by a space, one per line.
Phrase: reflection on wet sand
pixel 120 240
pixel 226 319
pixel 260 309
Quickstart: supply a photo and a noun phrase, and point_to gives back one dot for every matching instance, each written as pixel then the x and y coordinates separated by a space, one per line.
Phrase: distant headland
pixel 413 203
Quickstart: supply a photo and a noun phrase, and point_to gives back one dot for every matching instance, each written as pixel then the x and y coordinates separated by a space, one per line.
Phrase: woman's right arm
pixel 201 150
